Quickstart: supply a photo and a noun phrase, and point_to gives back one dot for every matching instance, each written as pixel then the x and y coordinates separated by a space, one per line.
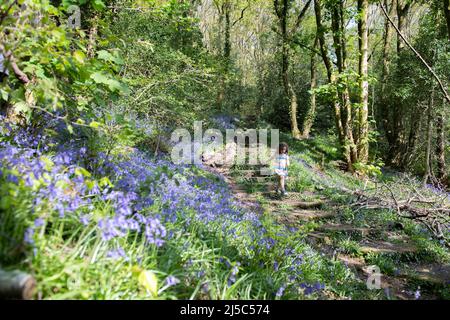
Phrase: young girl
pixel 281 167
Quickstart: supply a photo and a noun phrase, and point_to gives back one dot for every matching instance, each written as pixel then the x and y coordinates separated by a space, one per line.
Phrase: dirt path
pixel 297 209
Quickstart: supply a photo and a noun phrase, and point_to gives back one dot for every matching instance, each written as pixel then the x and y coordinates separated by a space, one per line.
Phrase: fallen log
pixel 16 285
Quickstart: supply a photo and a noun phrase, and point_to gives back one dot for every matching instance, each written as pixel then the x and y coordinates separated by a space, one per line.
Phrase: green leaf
pixel 105 182
pixel 48 162
pixel 94 124
pixel 98 4
pixel 79 56
pixel 148 280
pixel 21 106
pixel 106 56
pixel 4 94
pixel 80 171
pixel 99 77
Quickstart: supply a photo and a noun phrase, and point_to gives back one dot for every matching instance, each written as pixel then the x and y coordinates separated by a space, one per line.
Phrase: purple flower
pixel 417 294
pixel 171 281
pixel 117 254
pixel 84 219
pixel 280 292
pixel 28 236
pixel 38 222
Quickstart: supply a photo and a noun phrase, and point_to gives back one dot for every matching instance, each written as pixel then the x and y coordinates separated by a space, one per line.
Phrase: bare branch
pixel 300 17
pixel 242 15
pixel 443 89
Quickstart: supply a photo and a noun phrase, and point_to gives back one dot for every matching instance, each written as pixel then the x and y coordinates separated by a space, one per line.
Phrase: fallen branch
pixel 434 218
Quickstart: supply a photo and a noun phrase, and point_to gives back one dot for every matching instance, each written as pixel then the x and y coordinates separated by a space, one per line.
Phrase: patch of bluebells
pixel 138 182
pixel 65 190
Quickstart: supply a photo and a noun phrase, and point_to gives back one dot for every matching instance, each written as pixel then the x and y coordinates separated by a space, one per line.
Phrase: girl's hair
pixel 283 145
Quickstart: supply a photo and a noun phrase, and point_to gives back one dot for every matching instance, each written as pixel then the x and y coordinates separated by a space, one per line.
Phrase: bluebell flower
pixel 171 281
pixel 280 292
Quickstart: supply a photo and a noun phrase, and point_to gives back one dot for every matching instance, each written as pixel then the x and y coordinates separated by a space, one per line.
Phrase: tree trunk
pixel 399 142
pixel 329 68
pixel 429 133
pixel 311 113
pixel 384 110
pixel 415 121
pixel 446 8
pixel 288 88
pixel 336 98
pixel 346 107
pixel 440 146
pixel 363 138
pixel 402 13
pixel 93 32
pixel 227 44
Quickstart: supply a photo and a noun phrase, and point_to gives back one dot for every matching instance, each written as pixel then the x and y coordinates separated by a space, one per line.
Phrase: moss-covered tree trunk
pixel 363 110
pixel 311 112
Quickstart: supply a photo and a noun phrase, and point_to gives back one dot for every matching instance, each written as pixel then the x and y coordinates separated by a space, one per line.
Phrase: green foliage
pixel 64 78
pixel 170 75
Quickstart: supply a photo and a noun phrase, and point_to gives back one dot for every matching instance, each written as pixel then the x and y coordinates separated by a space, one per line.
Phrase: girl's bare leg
pixel 282 179
pixel 278 183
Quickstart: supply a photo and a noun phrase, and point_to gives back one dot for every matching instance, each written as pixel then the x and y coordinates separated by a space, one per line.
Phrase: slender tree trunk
pixel 440 146
pixel 93 31
pixel 429 133
pixel 446 7
pixel 399 142
pixel 410 144
pixel 363 139
pixel 311 113
pixel 227 44
pixel 338 116
pixel 329 68
pixel 289 90
pixel 384 110
pixel 402 12
pixel 224 22
pixel 346 107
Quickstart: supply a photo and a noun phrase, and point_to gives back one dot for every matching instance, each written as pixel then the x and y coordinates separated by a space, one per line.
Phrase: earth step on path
pixel 330 227
pixel 306 214
pixel 297 204
pixel 432 273
pixel 370 246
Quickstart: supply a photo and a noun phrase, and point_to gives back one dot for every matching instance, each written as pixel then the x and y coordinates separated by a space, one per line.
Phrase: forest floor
pixel 360 239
